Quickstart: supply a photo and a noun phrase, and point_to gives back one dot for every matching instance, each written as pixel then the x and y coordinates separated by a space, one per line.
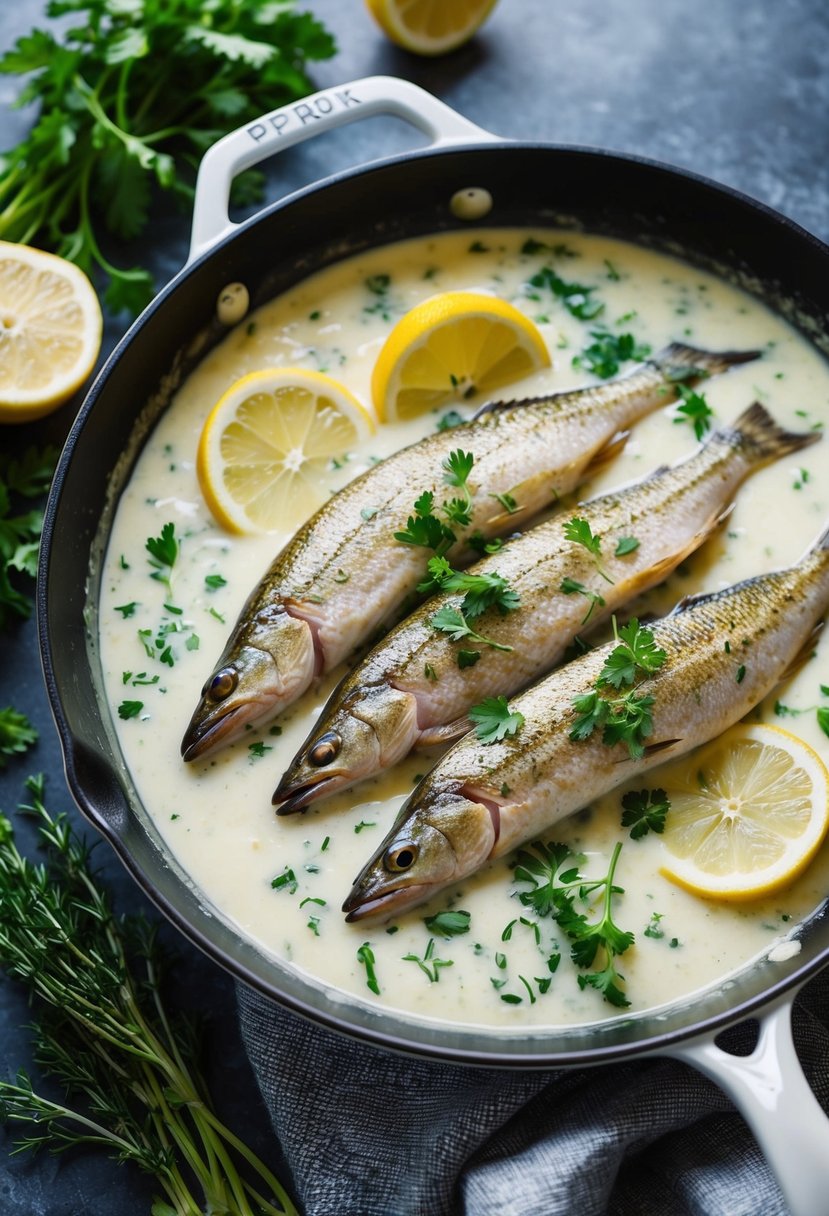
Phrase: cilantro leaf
pixel 625 545
pixel 494 720
pixel 645 811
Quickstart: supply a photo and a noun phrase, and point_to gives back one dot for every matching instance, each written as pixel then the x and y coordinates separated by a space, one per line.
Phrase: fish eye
pixel 401 857
pixel 222 684
pixel 326 749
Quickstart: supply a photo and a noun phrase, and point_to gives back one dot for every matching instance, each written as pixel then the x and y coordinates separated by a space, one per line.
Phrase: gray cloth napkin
pixel 370 1133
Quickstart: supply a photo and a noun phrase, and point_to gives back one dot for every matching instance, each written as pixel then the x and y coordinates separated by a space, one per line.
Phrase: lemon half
pixel 452 347
pixel 266 448
pixel 50 331
pixel 748 813
pixel 430 27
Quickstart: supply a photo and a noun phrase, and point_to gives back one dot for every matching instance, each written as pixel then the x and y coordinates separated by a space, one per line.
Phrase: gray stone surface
pixel 738 92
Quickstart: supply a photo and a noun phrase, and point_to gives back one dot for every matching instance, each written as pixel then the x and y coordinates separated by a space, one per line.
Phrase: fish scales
pixel 671 512
pixel 343 573
pixel 724 653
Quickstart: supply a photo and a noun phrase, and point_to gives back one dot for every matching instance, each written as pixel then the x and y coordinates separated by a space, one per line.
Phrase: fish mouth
pixel 202 737
pixel 296 796
pixel 357 907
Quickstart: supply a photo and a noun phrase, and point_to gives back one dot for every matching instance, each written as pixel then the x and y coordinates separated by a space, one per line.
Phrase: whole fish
pixel 343 573
pixel 724 652
pixel 410 690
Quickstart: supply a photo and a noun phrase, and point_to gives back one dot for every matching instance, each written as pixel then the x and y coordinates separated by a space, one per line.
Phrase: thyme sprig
pixel 104 1032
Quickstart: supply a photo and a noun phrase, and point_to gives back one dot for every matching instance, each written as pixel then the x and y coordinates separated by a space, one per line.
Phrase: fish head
pixel 251 683
pixel 439 837
pixel 360 732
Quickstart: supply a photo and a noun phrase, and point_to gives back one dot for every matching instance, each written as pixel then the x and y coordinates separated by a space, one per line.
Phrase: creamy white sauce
pixel 217 817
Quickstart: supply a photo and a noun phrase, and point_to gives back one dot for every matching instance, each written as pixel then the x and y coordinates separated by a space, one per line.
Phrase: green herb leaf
pixel 637 650
pixel 129 709
pixel 694 409
pixel 16 734
pixel 645 811
pixel 449 923
pixel 625 545
pixel 365 955
pixel 494 720
pixel 607 352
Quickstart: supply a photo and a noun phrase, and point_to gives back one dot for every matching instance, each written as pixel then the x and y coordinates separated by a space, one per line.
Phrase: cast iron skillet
pixel 531 185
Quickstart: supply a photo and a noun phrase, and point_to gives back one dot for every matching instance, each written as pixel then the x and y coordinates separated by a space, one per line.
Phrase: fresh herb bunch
pixel 131 95
pixel 21 477
pixel 554 891
pixel 105 1034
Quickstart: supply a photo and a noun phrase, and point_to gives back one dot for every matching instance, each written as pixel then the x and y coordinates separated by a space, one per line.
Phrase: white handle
pixel 292 124
pixel 775 1099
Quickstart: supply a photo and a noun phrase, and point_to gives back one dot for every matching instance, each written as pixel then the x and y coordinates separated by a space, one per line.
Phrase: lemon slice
pixel 430 27
pixel 266 447
pixel 50 331
pixel 748 813
pixel 452 347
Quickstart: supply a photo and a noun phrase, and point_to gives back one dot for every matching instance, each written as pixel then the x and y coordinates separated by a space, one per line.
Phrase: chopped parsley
pixel 553 892
pixel 365 955
pixel 607 352
pixel 429 964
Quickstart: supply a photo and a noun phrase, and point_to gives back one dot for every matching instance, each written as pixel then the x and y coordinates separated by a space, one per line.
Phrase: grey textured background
pixel 736 91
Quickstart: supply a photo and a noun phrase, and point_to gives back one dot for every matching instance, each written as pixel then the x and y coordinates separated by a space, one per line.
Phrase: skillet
pixel 531 185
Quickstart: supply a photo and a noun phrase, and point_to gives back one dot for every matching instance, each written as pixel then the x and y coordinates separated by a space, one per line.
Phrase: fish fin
pixel 528 490
pixel 806 652
pixel 434 736
pixel 761 438
pixel 686 364
pixel 607 453
pixel 493 407
pixel 651 749
pixel 658 572
pixel 603 456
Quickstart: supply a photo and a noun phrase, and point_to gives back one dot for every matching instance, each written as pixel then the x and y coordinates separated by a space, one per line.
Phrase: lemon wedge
pixel 430 27
pixel 452 347
pixel 266 447
pixel 748 813
pixel 50 331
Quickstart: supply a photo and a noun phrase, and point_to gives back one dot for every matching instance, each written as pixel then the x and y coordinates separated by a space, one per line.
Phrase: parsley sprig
pixel 130 96
pixel 579 532
pixel 425 529
pixel 628 717
pixel 554 891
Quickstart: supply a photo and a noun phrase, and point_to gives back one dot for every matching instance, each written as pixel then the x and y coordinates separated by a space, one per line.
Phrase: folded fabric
pixel 368 1132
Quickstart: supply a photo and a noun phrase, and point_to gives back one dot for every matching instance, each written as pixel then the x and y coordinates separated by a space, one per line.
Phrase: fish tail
pixel 687 363
pixel 763 439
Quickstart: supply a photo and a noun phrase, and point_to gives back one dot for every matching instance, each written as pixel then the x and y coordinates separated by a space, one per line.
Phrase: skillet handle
pixel 292 124
pixel 775 1099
